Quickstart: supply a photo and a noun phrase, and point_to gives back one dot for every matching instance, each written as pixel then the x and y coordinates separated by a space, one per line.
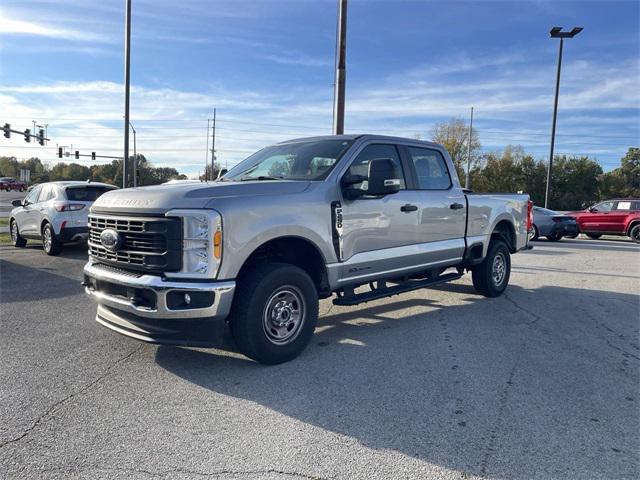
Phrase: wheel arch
pixel 504 230
pixel 632 223
pixel 293 250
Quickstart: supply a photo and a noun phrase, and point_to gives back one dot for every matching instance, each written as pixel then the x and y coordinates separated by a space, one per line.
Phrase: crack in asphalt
pixel 195 473
pixel 502 404
pixel 53 408
pixel 536 317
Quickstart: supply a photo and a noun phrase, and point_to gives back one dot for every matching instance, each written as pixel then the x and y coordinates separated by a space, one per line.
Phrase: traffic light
pixel 7 130
pixel 27 135
pixel 77 155
pixel 93 155
pixel 41 136
pixel 59 152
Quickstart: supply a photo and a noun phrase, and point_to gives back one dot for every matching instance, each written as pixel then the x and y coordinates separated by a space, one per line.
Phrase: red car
pixel 611 217
pixel 10 183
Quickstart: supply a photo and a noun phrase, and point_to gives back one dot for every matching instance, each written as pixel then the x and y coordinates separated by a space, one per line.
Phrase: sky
pixel 268 68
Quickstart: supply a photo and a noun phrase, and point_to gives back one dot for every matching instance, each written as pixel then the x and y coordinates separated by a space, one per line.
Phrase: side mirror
pixel 593 209
pixel 16 203
pixel 384 178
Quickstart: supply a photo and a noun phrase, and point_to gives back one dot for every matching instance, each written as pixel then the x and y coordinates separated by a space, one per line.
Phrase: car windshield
pixel 312 160
pixel 86 194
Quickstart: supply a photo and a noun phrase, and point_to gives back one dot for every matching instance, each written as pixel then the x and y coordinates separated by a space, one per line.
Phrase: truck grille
pixel 146 244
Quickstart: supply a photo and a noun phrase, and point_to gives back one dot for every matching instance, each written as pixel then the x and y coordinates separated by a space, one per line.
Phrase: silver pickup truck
pixel 358 217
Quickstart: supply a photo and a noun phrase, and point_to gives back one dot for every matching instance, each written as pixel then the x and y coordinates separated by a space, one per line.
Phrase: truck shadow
pixel 469 387
pixel 25 268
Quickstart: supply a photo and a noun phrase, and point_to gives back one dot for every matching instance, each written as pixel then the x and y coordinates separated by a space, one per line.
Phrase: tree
pixel 207 175
pixel 454 135
pixel 624 181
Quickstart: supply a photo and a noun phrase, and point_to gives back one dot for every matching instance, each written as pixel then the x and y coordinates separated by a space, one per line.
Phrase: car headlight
pixel 201 243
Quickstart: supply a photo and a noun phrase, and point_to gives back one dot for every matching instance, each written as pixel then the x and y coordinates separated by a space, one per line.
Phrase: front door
pixel 26 216
pixel 378 234
pixel 598 219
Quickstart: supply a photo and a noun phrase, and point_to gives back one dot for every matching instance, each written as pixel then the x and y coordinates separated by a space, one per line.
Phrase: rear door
pixel 442 208
pixel 619 214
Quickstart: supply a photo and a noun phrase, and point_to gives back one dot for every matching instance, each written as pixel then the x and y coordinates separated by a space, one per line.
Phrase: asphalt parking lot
pixel 540 383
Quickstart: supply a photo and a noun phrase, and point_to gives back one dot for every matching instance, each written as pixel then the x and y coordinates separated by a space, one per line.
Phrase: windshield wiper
pixel 261 177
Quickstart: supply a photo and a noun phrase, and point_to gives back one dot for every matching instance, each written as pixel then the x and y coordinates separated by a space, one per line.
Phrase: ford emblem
pixel 110 239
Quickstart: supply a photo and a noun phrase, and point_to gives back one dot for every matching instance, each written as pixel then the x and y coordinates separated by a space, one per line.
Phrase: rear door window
pixel 85 194
pixel 623 205
pixel 431 169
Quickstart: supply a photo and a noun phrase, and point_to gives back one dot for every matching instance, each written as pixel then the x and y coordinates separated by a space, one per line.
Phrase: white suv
pixel 55 213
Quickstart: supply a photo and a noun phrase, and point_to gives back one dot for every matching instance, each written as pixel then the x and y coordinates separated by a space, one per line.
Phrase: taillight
pixel 529 215
pixel 68 207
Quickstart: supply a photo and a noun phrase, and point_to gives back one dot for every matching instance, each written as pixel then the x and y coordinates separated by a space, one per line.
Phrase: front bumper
pixel 149 308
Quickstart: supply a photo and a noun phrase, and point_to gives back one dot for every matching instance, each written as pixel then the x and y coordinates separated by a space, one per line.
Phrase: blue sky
pixel 267 66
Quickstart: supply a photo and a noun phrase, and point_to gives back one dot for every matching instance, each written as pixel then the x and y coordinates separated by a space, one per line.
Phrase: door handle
pixel 408 208
pixel 456 206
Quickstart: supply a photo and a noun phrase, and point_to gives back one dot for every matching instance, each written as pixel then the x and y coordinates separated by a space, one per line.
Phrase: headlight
pixel 201 243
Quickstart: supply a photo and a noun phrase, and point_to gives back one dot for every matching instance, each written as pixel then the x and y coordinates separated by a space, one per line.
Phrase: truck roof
pixel 367 136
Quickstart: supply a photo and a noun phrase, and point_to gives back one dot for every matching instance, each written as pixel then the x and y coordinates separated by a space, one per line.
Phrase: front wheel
pixel 50 242
pixel 274 313
pixel 491 277
pixel 534 233
pixel 635 233
pixel 16 239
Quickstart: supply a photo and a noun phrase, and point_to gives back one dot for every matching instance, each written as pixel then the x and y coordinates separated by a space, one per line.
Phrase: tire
pixel 571 235
pixel 554 237
pixel 488 282
pixel 534 233
pixel 634 233
pixel 16 239
pixel 8 189
pixel 50 242
pixel 593 236
pixel 267 291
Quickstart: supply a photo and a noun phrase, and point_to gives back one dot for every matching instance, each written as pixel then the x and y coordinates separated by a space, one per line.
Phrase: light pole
pixel 135 157
pixel 127 81
pixel 341 69
pixel 466 180
pixel 556 32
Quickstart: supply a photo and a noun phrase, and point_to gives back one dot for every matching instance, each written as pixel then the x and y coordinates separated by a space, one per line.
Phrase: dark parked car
pixel 611 217
pixel 10 183
pixel 553 225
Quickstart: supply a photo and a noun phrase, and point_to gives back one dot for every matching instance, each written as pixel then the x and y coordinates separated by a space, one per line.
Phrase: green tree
pixel 624 181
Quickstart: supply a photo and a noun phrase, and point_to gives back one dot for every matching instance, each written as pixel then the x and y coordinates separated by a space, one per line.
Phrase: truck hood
pixel 159 199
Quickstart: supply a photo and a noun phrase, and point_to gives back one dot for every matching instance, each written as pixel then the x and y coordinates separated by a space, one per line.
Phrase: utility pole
pixel 135 158
pixel 466 180
pixel 206 153
pixel 213 144
pixel 127 81
pixel 556 32
pixel 341 69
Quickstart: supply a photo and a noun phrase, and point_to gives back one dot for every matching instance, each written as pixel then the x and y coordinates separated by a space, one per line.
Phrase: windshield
pixel 291 161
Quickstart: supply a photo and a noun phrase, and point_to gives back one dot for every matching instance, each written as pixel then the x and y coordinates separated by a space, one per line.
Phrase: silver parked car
pixel 54 213
pixel 553 225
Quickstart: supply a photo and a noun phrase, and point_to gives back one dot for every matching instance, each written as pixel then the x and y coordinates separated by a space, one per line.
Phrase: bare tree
pixel 454 135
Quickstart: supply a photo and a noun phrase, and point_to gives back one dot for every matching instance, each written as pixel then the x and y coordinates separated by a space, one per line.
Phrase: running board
pixel 356 298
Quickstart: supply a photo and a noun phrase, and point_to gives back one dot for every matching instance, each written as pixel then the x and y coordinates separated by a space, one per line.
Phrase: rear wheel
pixel 593 236
pixel 16 239
pixel 554 237
pixel 275 312
pixel 50 242
pixel 635 233
pixel 491 277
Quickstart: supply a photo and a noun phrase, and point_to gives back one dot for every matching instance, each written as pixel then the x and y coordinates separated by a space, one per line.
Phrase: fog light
pixel 187 298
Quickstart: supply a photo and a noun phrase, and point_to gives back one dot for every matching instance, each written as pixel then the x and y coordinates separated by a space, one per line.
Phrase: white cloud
pixel 21 27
